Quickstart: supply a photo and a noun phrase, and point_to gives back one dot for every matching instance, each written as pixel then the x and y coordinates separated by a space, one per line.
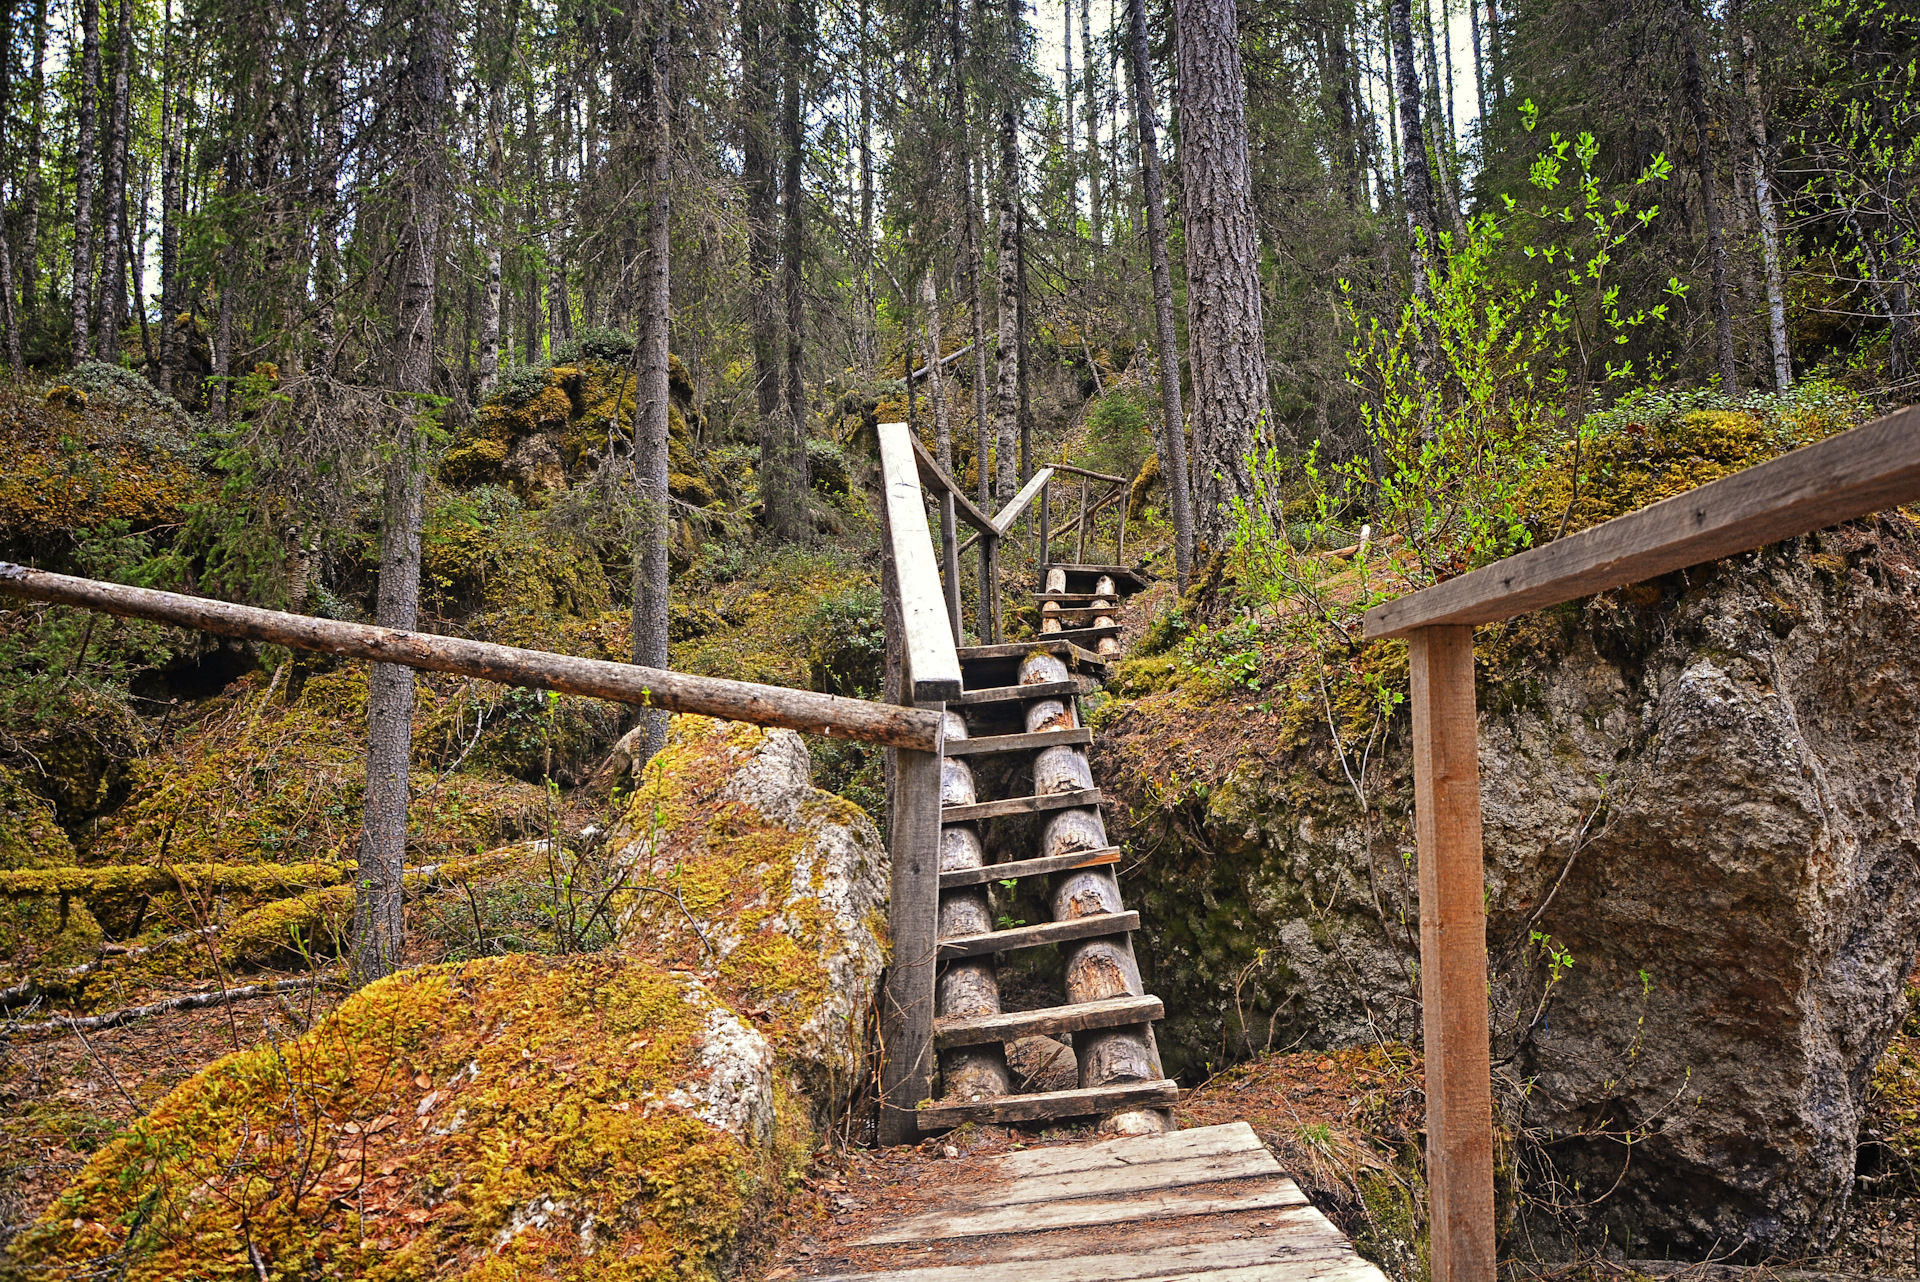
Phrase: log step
pixel 1020 805
pixel 1021 694
pixel 1030 742
pixel 1048 1104
pixel 1047 932
pixel 1113 1012
pixel 1017 868
pixel 1084 635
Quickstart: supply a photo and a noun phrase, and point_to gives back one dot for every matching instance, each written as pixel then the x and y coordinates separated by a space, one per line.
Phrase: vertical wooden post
pixel 950 553
pixel 1453 953
pixel 1120 540
pixel 1080 541
pixel 1046 531
pixel 906 1005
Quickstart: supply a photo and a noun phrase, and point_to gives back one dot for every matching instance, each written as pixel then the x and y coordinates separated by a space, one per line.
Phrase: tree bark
pixel 1007 389
pixel 36 153
pixel 1095 207
pixel 1696 91
pixel 169 210
pixel 869 353
pixel 83 177
pixel 652 418
pixel 1416 181
pixel 1225 333
pixel 1763 200
pixel 1072 149
pixel 782 503
pixel 113 271
pixel 936 376
pixel 792 249
pixel 423 101
pixel 1173 435
pixel 1440 110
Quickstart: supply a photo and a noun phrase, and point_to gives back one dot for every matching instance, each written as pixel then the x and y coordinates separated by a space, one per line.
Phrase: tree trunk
pixel 1072 149
pixel 1696 91
pixel 1007 390
pixel 1226 338
pixel 869 354
pixel 113 271
pixel 1095 208
pixel 1763 201
pixel 29 265
pixel 423 100
pixel 976 280
pixel 168 368
pixel 1416 182
pixel 782 501
pixel 793 247
pixel 83 177
pixel 652 421
pixel 1441 112
pixel 559 300
pixel 1173 436
pixel 936 377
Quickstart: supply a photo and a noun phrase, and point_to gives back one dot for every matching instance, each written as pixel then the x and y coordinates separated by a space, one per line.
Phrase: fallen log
pixel 822 714
pixel 159 879
pixel 191 1001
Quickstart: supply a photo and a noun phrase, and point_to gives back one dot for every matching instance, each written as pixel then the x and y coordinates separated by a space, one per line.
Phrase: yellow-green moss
pixel 412 1132
pixel 40 937
pixel 147 879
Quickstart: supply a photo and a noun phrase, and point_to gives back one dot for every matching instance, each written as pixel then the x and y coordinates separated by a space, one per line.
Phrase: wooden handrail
pixel 1071 470
pixel 1004 519
pixel 1865 470
pixel 932 663
pixel 931 473
pixel 823 714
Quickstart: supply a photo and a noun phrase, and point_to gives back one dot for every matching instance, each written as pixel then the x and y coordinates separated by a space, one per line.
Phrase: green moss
pixel 39 938
pixel 503 1118
pixel 140 879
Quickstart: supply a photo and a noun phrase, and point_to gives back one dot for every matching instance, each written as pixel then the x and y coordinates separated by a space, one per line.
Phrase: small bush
pixel 1119 433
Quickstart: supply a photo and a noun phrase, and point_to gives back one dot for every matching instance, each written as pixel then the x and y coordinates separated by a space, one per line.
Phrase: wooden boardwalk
pixel 1206 1205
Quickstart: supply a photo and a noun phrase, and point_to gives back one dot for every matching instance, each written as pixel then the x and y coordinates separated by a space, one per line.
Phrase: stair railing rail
pixel 1851 475
pixel 1112 489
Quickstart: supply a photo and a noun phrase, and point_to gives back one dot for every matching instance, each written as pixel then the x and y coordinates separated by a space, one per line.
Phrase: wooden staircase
pixel 1018 713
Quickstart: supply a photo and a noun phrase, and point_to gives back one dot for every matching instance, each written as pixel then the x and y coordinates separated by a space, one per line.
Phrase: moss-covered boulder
pixel 771 889
pixel 631 1114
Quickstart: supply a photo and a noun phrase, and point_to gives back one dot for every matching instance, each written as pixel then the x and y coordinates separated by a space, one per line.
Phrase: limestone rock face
pixel 786 884
pixel 1703 873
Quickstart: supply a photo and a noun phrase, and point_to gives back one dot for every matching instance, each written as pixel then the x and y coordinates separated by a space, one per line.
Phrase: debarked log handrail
pixel 822 714
pixel 1872 467
pixel 932 662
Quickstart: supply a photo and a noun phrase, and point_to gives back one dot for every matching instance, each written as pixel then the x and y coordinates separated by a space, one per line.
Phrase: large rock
pixel 636 1113
pixel 1703 883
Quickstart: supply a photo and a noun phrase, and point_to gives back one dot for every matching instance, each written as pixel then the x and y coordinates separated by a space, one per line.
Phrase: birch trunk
pixel 1226 336
pixel 36 155
pixel 1416 181
pixel 1173 435
pixel 1763 200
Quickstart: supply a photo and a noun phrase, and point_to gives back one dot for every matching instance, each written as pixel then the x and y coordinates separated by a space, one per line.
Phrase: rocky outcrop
pixel 634 1113
pixel 1703 873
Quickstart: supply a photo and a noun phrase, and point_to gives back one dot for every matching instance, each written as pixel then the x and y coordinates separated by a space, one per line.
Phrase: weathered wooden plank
pixel 932 662
pixel 1453 953
pixel 1008 1025
pixel 1030 742
pixel 1129 1151
pixel 1078 635
pixel 1872 467
pixel 1020 805
pixel 1021 649
pixel 1003 519
pixel 906 1008
pixel 1081 613
pixel 1073 599
pixel 1047 932
pixel 1021 694
pixel 1048 1104
pixel 822 714
pixel 1299 1235
pixel 1037 1217
pixel 929 471
pixel 1070 470
pixel 1145 1178
pixel 1017 868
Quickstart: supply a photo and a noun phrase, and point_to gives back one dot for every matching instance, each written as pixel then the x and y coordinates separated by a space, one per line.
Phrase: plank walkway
pixel 1205 1205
